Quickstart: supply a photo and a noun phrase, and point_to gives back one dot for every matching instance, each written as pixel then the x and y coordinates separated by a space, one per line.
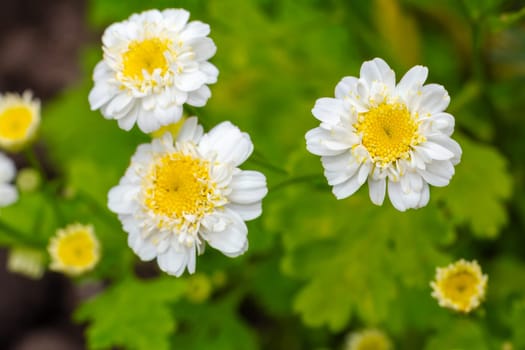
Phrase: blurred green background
pixel 317 268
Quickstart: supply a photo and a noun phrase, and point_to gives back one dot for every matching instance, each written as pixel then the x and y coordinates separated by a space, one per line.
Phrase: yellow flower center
pixel 388 132
pixel 460 287
pixel 146 55
pixel 181 186
pixel 15 122
pixel 77 249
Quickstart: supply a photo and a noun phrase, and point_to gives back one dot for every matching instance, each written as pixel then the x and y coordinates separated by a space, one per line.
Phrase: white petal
pixel 232 239
pixel 189 81
pixel 228 143
pixel 204 48
pixel 376 190
pixel 378 70
pixel 210 71
pixel 122 197
pixel 328 110
pixel 345 87
pixel 248 187
pixel 435 150
pixel 7 168
pixel 438 173
pixel 425 196
pixel 411 83
pixel 347 188
pixel 439 122
pixel 247 211
pixel 147 123
pixel 118 104
pixel 449 144
pixel 8 195
pixel 199 97
pixel 176 18
pixel 101 94
pixel 319 140
pixel 129 120
pixel 194 29
pixel 190 131
pixel 434 99
pixel 396 195
pixel 174 261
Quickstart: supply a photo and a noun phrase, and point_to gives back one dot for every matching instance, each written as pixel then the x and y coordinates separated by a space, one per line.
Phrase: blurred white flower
pixel 368 339
pixel 74 250
pixel 19 120
pixel 8 192
pixel 376 130
pixel 153 63
pixel 175 196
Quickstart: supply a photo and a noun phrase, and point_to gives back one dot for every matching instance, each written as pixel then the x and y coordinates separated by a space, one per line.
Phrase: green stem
pixel 35 162
pixel 294 180
pixel 14 236
pixel 259 159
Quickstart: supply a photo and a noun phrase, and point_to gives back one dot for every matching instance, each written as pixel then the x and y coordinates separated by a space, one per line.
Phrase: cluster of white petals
pixel 378 131
pixel 154 62
pixel 178 194
pixel 8 192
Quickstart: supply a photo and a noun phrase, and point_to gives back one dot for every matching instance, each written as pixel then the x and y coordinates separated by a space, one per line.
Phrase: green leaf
pixel 133 314
pixel 459 335
pixel 212 326
pixel 476 193
pixel 517 320
pixel 355 256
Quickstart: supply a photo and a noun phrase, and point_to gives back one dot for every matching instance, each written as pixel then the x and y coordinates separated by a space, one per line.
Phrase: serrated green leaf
pixel 212 326
pixel 476 193
pixel 355 255
pixel 133 314
pixel 459 335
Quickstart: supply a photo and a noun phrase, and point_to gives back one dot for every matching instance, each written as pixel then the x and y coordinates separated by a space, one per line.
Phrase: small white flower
pixel 460 286
pixel 175 196
pixel 374 129
pixel 19 120
pixel 74 249
pixel 8 192
pixel 154 62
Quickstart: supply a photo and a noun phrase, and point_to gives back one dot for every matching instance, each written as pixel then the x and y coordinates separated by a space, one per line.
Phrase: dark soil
pixel 40 43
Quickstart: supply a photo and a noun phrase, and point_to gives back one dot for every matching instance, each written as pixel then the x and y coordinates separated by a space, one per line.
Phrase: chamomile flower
pixel 378 131
pixel 368 339
pixel 8 192
pixel 460 286
pixel 154 62
pixel 19 120
pixel 178 195
pixel 74 250
pixel 26 261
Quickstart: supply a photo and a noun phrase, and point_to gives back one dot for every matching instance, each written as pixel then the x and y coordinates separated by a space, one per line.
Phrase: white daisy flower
pixel 8 192
pixel 460 286
pixel 374 129
pixel 175 196
pixel 74 249
pixel 19 120
pixel 153 63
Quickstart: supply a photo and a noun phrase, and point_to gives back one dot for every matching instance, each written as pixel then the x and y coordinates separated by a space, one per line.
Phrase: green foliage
pixel 317 267
pixel 132 314
pixel 481 167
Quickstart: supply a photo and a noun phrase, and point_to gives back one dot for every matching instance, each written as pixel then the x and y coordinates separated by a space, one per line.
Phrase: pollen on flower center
pixel 14 122
pixel 180 186
pixel 460 287
pixel 147 55
pixel 77 249
pixel 388 132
